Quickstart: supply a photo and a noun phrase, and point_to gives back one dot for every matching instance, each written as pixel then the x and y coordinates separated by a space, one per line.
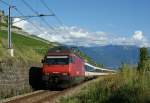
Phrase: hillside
pixel 22 45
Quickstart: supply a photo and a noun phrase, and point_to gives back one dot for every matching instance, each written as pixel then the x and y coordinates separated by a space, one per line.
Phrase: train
pixel 62 68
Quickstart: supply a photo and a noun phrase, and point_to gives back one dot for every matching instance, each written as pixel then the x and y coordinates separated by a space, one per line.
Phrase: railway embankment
pixel 48 96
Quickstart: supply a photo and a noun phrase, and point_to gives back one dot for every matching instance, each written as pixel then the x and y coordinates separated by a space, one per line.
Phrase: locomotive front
pixel 61 68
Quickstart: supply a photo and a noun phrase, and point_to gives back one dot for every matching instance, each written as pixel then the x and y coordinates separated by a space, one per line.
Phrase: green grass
pixel 128 86
pixel 23 46
pixel 20 41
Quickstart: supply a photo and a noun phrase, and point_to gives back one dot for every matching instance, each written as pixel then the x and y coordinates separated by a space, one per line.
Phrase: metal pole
pixel 10 50
pixel 0 28
pixel 9 28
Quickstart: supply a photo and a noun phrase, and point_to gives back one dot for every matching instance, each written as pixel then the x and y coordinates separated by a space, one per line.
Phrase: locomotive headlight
pixel 65 74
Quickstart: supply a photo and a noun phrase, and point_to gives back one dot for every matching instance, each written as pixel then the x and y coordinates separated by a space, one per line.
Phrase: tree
pixel 144 60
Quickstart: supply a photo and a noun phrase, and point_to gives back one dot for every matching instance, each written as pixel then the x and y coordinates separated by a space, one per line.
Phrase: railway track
pixel 44 96
pixel 35 97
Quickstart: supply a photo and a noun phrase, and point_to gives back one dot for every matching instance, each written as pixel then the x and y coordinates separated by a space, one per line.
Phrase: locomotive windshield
pixel 57 60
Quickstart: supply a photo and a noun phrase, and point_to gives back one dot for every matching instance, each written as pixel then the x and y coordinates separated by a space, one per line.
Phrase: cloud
pixel 72 35
pixel 138 35
pixel 139 39
pixel 19 23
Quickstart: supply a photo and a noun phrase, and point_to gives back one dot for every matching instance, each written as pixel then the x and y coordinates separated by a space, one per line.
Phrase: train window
pixel 57 60
pixel 88 68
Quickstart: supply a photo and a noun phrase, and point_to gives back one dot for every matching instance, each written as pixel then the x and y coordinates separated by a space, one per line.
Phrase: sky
pixel 89 22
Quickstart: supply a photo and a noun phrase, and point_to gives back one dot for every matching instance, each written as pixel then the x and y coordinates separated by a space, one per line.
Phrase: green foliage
pixel 144 60
pixel 128 86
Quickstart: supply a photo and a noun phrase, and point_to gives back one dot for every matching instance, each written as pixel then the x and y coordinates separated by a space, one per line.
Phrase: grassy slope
pixel 24 47
pixel 128 86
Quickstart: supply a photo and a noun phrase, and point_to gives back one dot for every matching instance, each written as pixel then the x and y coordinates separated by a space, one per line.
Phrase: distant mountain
pixel 112 56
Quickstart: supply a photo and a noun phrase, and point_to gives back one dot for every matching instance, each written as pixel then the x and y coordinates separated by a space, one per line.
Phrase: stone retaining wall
pixel 14 79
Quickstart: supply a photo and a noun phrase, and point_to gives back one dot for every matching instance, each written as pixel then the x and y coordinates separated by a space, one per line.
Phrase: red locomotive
pixel 62 68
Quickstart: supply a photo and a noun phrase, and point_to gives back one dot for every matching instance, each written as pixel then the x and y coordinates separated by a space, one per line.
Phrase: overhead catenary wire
pixel 28 17
pixel 56 17
pixel 28 5
pixel 4 2
pixel 51 11
pixel 34 25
